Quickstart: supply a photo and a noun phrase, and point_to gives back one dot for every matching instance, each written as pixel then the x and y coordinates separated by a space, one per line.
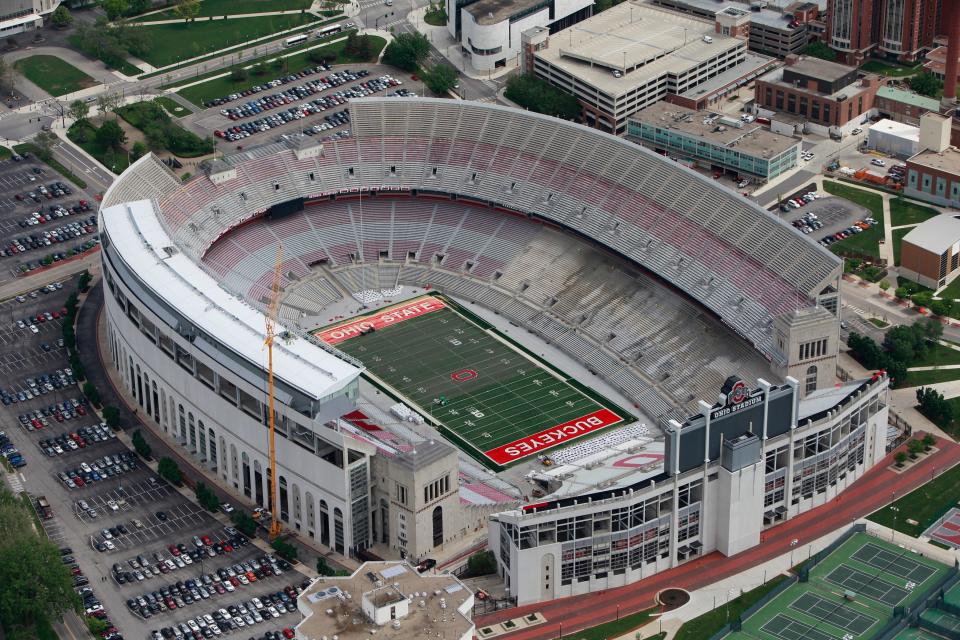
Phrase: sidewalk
pixel 449 48
pixel 92 343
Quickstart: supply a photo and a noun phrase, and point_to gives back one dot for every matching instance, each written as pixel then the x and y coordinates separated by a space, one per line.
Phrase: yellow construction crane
pixel 271 321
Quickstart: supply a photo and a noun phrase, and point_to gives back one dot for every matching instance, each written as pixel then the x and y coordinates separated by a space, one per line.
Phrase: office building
pixel 714 142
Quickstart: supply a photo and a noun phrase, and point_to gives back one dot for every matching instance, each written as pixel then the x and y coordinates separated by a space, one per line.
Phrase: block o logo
pixel 463 375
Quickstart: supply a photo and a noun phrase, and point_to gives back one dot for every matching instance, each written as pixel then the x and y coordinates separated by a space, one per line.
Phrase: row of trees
pixel 115 9
pixel 140 445
pixel 35 586
pixel 935 407
pixel 902 347
pixel 915 447
pixel 207 497
pixel 161 132
pixel 110 43
pixel 168 470
pixel 530 92
pixel 407 51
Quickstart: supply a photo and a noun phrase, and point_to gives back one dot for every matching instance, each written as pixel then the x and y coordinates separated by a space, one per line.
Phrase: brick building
pixel 850 29
pixel 930 253
pixel 899 29
pixel 903 106
pixel 830 97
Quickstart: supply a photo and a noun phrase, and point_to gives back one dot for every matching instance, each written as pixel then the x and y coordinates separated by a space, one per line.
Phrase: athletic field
pixel 878 575
pixel 496 399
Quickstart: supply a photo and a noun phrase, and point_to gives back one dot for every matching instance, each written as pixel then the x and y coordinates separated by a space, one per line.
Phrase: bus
pixel 289 42
pixel 328 30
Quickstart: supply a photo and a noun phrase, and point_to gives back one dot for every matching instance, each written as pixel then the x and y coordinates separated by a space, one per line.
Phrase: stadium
pixel 491 320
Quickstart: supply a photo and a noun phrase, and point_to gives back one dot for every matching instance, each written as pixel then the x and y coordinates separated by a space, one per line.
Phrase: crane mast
pixel 271 320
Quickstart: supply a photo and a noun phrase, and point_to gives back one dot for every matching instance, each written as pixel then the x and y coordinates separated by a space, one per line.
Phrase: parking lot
pixel 56 230
pixel 824 215
pixel 313 103
pixel 137 495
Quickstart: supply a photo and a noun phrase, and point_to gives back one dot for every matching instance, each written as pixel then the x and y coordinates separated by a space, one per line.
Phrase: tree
pixel 482 563
pixel 238 74
pixel 865 350
pixel 323 568
pixel 900 458
pixel 530 92
pixel 139 6
pixel 941 307
pixel 284 549
pixel 244 523
pixel 168 469
pixel 111 135
pixel 45 141
pixel 928 441
pixel 921 299
pixel 78 109
pixel 61 17
pixel 440 78
pixel 34 584
pixel 138 150
pixel 140 445
pixel 914 447
pixel 115 8
pixel 111 415
pixel 260 69
pixel 897 371
pixel 933 405
pixel 96 625
pixel 187 9
pixel 83 284
pixel 926 84
pixel 91 392
pixel 884 285
pixel 207 497
pixel 406 51
pixel 818 49
pixel 901 293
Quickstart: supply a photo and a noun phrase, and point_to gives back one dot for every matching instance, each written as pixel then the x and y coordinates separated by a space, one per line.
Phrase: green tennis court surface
pixel 849 595
pixel 493 397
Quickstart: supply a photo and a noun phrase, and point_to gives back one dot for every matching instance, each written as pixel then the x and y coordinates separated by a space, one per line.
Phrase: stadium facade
pixel 187 269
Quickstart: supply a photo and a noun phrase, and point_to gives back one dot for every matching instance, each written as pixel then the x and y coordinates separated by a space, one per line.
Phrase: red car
pixel 204 539
pixel 227 547
pixel 173 549
pixel 78 481
pixel 288 633
pixel 81 411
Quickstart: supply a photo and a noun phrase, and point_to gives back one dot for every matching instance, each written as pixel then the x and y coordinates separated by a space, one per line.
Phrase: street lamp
pixel 896 514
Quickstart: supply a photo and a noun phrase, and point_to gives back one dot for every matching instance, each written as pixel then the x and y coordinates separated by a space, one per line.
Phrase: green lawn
pixel 887 69
pixel 922 378
pixel 53 75
pixel 904 211
pixel 179 41
pixel 173 107
pixel 937 354
pixel 5 153
pixel 115 161
pixel 231 8
pixel 878 323
pixel 205 91
pixel 613 629
pixel 925 504
pixel 706 625
pixel 865 243
pixel 898 242
pixel 952 290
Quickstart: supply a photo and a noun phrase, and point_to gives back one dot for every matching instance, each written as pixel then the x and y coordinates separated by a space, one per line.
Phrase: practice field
pixel 496 399
pixel 850 595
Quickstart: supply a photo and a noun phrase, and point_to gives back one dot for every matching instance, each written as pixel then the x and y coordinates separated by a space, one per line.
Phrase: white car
pixel 878 162
pixel 109 545
pixel 857 131
pixel 113 505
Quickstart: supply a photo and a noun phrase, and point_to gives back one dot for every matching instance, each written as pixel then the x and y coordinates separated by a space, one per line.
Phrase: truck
pixel 43 508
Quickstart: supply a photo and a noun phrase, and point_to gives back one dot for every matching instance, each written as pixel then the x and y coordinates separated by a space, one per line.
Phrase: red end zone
pixel 560 434
pixel 385 318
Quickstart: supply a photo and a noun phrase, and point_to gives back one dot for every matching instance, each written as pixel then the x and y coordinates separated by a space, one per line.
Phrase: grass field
pixel 486 393
pixel 174 108
pixel 116 161
pixel 884 68
pixel 53 75
pixel 904 211
pixel 925 504
pixel 200 93
pixel 881 574
pixel 179 41
pixel 898 242
pixel 231 8
pixel 938 354
pixel 614 628
pixel 921 378
pixel 868 241
pixel 951 291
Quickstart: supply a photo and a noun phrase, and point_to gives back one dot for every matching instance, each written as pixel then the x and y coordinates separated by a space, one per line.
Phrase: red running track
pixel 866 495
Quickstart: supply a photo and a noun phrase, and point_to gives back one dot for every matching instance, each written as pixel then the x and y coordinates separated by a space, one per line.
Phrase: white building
pixel 894 138
pixel 746 463
pixel 17 16
pixel 489 30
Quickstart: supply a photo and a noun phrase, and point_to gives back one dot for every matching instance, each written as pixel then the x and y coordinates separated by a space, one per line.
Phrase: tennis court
pixel 837 614
pixel 781 626
pixel 942 619
pixel 893 563
pixel 864 584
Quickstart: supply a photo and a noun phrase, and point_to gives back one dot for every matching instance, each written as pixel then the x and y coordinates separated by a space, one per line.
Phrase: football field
pixel 496 399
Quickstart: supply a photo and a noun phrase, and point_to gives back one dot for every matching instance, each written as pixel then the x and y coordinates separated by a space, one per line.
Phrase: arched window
pixel 811 382
pixel 311 516
pixel 296 506
pixel 438 526
pixel 156 401
pixel 163 405
pixel 193 431
pixel 246 474
pixel 324 523
pixel 284 503
pixel 258 483
pixel 338 540
pixel 212 439
pixel 202 448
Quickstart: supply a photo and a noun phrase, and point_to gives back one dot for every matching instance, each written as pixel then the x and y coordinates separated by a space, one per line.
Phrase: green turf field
pixel 880 575
pixel 482 389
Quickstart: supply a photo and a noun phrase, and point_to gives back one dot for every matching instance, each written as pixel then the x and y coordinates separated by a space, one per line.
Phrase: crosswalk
pixel 13 479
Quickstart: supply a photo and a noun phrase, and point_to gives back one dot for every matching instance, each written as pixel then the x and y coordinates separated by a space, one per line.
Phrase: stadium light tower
pixel 271 322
